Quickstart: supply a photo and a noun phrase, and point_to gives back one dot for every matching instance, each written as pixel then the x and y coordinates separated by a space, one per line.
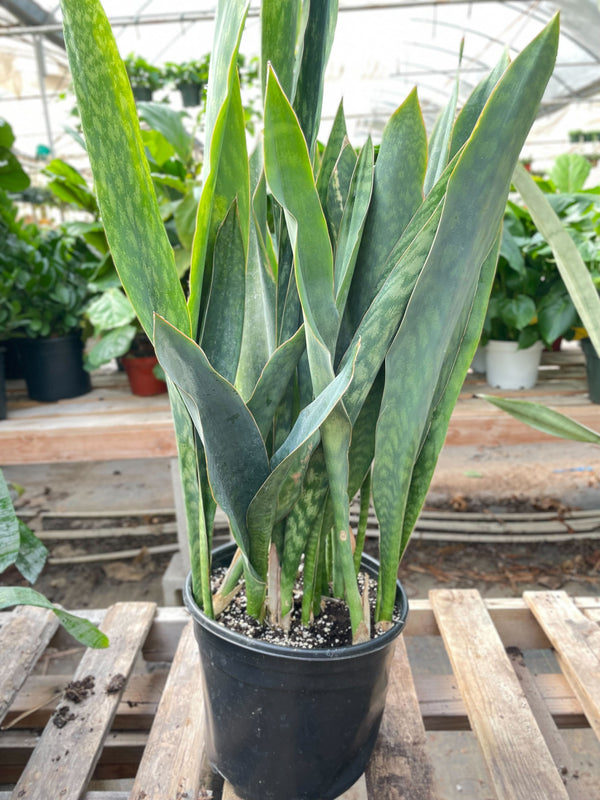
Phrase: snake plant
pixel 336 294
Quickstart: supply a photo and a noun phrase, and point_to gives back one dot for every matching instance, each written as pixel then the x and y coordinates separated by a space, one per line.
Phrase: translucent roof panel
pixel 381 51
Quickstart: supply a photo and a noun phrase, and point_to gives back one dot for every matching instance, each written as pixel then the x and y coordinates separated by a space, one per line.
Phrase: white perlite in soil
pixel 330 629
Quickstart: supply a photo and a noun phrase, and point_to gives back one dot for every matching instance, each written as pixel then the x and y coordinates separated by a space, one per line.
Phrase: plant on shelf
pixel 530 305
pixel 335 303
pixel 144 78
pixel 46 280
pixel 190 77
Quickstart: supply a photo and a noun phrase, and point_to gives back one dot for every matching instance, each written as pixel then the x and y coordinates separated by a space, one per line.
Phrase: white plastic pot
pixel 511 368
pixel 479 363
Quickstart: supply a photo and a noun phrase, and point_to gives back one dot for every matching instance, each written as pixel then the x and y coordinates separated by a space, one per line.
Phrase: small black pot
pixel 287 723
pixel 592 368
pixel 54 368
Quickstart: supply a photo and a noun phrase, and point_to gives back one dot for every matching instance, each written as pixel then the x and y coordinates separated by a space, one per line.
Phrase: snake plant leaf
pixel 338 189
pixel 274 380
pixel 318 38
pixel 135 231
pixel 352 225
pixel 32 554
pixel 282 28
pixel 223 186
pixel 335 143
pixel 544 419
pixel 470 112
pixel 223 319
pixel 80 629
pixel 235 453
pixel 289 176
pixel 476 195
pixel 450 384
pixel 9 527
pixel 288 466
pixel 315 414
pixel 440 142
pixel 397 194
pixel 258 336
pixel 572 268
pixel 225 143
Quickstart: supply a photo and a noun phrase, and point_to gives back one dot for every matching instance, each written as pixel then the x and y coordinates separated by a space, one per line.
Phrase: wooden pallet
pixel 146 725
pixel 110 423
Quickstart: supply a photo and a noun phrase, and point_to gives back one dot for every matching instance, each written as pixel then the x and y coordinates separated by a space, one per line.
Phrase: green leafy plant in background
pixel 335 301
pixel 142 74
pixel 530 299
pixel 20 547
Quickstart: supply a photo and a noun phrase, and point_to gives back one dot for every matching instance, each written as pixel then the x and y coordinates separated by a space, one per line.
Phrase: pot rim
pixel 300 653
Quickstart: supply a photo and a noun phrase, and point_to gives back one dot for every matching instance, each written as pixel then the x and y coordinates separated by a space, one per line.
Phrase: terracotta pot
pixel 142 379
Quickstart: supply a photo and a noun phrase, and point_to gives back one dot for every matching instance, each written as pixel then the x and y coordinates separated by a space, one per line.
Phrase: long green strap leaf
pixel 80 629
pixel 473 210
pixel 224 320
pixel 544 419
pixel 290 178
pixel 9 527
pixel 397 194
pixel 573 271
pixel 235 453
pixel 225 167
pixel 281 29
pixel 318 38
pixel 135 231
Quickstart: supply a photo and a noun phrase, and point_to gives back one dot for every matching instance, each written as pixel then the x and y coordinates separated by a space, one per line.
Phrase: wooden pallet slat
pixel 64 760
pixel 507 733
pixel 174 755
pixel 23 638
pixel 576 640
pixel 400 766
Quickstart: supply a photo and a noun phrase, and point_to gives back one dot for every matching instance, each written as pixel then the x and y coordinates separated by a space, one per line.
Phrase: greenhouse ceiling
pixel 382 50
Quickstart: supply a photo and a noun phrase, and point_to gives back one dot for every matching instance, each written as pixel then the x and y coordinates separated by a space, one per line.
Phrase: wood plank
pixel 120 757
pixel 23 638
pixel 576 640
pixel 556 744
pixel 64 760
pixel 399 767
pixel 174 756
pixel 506 730
pixel 34 704
pixel 91 438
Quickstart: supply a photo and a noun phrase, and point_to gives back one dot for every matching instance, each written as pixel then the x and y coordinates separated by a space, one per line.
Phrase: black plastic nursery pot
pixel 287 723
pixel 53 368
pixel 592 368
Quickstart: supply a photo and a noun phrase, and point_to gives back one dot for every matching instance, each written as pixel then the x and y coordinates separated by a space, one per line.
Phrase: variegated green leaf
pixel 134 228
pixel 282 29
pixel 318 38
pixel 476 195
pixel 235 453
pixel 290 178
pixel 80 629
pixel 9 527
pixel 544 419
pixel 397 194
pixel 224 318
pixel 225 172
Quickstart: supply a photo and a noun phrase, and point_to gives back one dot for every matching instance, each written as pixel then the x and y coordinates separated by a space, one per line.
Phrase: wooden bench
pixel 110 423
pixel 145 724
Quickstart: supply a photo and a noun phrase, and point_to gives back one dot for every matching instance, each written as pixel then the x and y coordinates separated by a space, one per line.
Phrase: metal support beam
pixel 29 13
